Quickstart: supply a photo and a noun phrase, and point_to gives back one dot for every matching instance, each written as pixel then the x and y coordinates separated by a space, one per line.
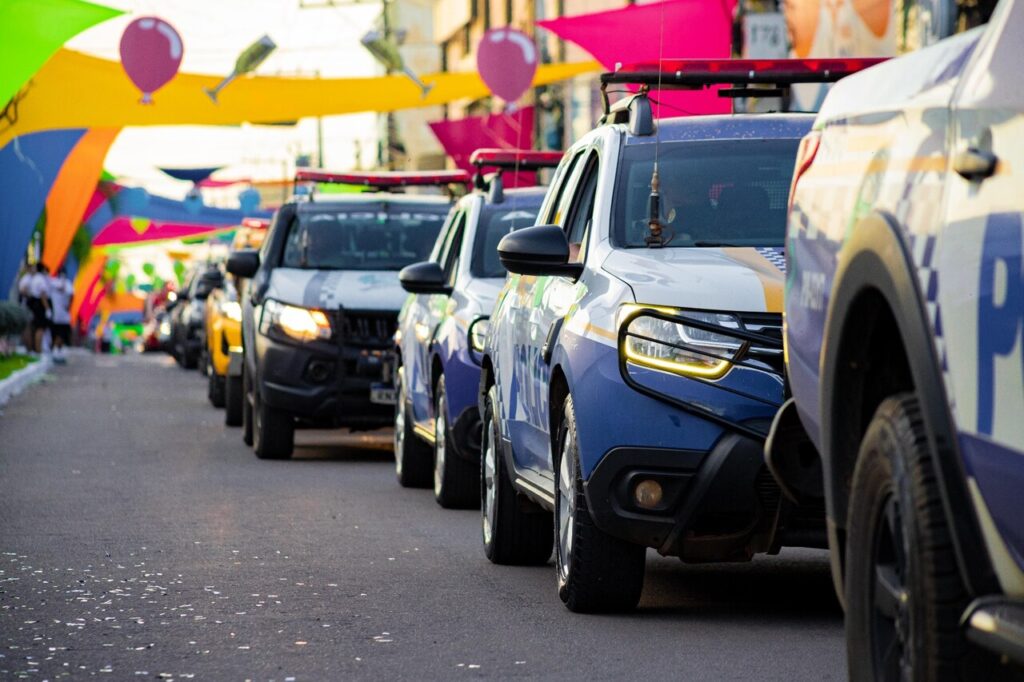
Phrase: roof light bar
pixel 702 73
pixel 384 179
pixel 523 159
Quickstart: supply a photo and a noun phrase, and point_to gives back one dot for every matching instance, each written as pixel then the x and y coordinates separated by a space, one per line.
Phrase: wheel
pixel 214 388
pixel 513 533
pixel 596 572
pixel 904 593
pixel 412 455
pixel 273 432
pixel 189 359
pixel 247 400
pixel 204 362
pixel 456 480
pixel 233 399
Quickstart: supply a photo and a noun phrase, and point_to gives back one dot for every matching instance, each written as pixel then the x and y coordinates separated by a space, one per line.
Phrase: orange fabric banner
pixel 71 191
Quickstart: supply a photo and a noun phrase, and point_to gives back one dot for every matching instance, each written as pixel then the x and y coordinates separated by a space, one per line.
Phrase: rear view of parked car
pixel 904 316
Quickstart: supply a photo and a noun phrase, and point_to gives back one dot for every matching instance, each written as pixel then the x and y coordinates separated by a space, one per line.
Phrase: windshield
pixel 497 220
pixel 719 193
pixel 372 236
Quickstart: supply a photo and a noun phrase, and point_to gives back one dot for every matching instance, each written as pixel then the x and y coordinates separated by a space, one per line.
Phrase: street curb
pixel 17 382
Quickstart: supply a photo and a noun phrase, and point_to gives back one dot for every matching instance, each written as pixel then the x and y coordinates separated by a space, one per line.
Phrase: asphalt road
pixel 139 538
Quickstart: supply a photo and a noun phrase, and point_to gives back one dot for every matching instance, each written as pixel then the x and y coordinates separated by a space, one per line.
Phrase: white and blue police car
pixel 904 314
pixel 443 324
pixel 634 357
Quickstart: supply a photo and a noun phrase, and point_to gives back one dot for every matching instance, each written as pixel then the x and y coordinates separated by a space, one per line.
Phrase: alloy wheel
pixel 490 487
pixel 890 598
pixel 566 506
pixel 440 428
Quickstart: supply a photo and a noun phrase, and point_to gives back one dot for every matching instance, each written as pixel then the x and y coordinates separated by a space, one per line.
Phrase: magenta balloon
pixel 507 61
pixel 151 52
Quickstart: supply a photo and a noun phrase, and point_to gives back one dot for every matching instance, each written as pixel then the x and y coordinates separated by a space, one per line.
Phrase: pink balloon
pixel 151 52
pixel 507 61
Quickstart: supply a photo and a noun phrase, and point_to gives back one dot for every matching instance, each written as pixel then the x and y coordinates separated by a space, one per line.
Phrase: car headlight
pixel 678 347
pixel 301 324
pixel 478 332
pixel 231 310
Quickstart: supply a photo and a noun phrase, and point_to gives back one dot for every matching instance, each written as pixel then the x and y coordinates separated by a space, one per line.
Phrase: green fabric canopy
pixel 32 30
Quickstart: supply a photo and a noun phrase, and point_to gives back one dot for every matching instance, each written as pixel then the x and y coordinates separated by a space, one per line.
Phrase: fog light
pixel 319 371
pixel 647 494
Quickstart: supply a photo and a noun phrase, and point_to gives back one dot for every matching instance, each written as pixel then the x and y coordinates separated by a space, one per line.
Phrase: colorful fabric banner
pixel 28 167
pixel 76 90
pixel 136 231
pixel 72 191
pixel 86 280
pixel 32 30
pixel 673 29
pixel 461 137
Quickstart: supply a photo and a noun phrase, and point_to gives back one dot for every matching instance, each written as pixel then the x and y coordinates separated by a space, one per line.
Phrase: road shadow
pixel 340 445
pixel 796 584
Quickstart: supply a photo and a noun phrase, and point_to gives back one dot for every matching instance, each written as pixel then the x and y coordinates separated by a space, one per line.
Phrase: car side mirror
pixel 244 263
pixel 424 278
pixel 538 250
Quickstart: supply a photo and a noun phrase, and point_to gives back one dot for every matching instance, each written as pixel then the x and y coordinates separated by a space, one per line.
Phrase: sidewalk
pixel 17 382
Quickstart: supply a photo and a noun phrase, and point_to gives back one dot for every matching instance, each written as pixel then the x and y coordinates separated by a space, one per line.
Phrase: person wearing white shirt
pixel 60 292
pixel 34 286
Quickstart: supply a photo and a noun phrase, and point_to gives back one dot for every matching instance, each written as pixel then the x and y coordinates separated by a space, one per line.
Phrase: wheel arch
pixel 558 391
pixel 875 298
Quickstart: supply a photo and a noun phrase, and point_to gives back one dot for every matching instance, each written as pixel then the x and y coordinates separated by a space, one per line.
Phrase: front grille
pixel 367 328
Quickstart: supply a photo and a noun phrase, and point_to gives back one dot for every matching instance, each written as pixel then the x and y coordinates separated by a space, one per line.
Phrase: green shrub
pixel 13 319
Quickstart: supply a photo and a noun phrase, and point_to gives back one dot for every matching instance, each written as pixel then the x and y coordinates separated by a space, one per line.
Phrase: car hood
pixel 333 289
pixel 744 279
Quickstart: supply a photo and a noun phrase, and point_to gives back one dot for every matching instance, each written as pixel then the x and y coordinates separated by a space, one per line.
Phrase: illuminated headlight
pixel 301 324
pixel 165 328
pixel 478 334
pixel 231 310
pixel 680 348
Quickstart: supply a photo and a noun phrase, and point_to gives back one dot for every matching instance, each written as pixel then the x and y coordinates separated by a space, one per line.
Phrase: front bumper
pixel 328 383
pixel 721 505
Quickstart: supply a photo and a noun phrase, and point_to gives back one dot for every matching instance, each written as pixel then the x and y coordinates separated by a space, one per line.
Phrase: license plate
pixel 382 395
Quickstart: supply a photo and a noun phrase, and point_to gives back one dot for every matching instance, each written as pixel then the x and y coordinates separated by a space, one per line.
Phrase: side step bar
pixel 997 624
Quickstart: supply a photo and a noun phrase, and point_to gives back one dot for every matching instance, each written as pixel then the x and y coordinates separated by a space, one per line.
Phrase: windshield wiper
pixel 704 242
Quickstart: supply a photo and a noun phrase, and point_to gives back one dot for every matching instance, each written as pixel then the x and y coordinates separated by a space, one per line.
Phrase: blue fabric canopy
pixel 28 165
pixel 138 203
pixel 195 175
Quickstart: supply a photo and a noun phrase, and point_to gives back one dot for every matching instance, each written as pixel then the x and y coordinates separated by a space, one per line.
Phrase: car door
pixel 424 315
pixel 974 282
pixel 546 309
pixel 514 325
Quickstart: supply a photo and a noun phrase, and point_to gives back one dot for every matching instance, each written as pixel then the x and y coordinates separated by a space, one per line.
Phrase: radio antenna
pixel 655 238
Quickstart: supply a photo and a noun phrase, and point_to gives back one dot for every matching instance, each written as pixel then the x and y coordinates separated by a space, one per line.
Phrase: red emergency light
pixel 256 223
pixel 702 73
pixel 521 159
pixel 385 179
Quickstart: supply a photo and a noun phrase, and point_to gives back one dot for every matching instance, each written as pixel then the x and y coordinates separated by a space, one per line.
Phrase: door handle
pixel 975 164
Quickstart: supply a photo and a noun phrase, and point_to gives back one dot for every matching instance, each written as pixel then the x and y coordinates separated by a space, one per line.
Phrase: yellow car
pixel 224 333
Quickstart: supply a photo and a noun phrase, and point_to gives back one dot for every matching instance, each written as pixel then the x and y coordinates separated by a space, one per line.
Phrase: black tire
pixel 456 480
pixel 189 360
pixel 214 388
pixel 903 608
pixel 233 399
pixel 597 573
pixel 273 432
pixel 513 533
pixel 413 457
pixel 247 401
pixel 204 361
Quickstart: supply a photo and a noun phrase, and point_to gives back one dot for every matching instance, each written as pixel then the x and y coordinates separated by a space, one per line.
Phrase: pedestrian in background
pixel 60 291
pixel 34 286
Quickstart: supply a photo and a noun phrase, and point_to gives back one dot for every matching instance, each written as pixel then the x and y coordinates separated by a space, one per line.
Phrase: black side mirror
pixel 244 263
pixel 424 278
pixel 538 250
